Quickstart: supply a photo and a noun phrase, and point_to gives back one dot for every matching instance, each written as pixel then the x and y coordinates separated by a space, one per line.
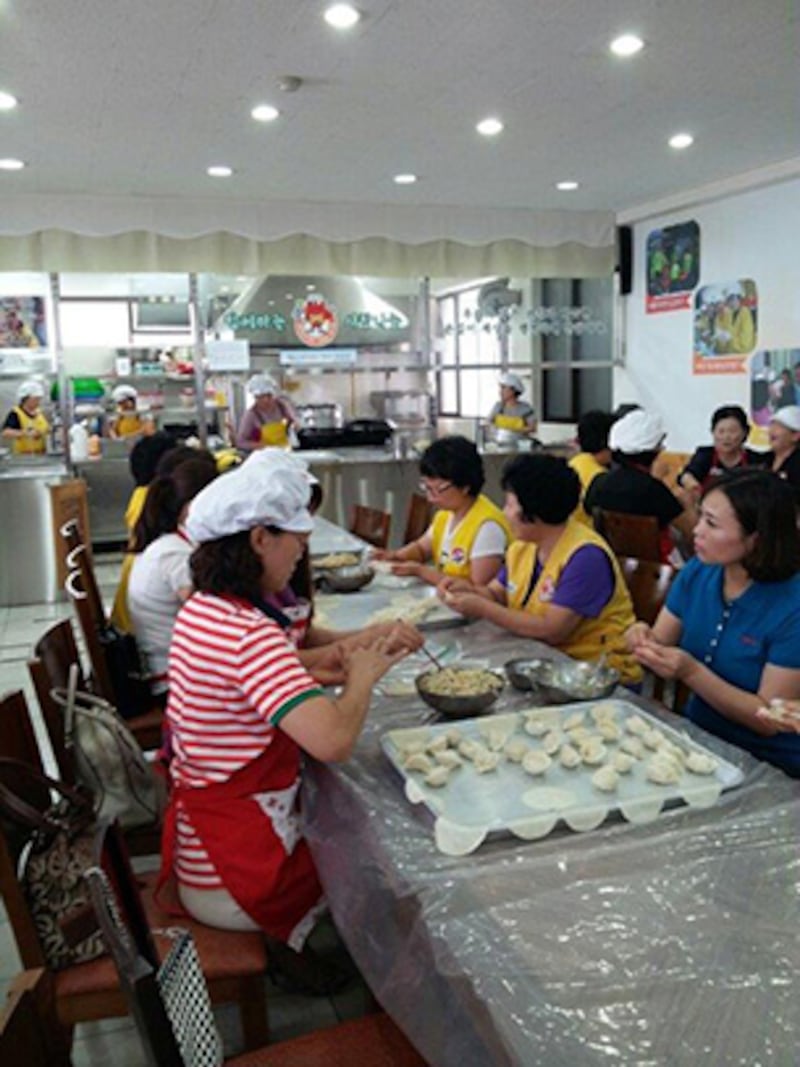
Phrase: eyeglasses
pixel 435 490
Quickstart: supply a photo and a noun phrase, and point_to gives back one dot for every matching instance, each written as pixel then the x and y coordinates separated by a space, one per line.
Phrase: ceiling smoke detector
pixel 289 83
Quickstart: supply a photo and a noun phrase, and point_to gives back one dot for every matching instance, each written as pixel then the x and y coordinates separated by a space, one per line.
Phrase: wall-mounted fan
pixel 495 297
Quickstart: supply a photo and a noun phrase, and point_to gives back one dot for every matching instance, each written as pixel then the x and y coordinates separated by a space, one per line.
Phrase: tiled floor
pixel 116 1039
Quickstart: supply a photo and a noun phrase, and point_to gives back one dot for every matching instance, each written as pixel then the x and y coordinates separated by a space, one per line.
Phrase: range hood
pixel 290 311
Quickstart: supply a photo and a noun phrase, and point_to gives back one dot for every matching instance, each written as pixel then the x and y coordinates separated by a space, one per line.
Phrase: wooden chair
pixel 371 525
pixel 374 1040
pixel 30 1033
pixel 668 465
pixel 146 728
pixel 630 535
pixel 54 654
pixel 648 584
pixel 418 518
pixel 234 964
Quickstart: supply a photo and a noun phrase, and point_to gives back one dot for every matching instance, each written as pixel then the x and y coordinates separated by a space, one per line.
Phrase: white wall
pixel 754 234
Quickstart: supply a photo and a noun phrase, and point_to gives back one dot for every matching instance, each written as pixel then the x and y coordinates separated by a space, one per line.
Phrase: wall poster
pixel 22 322
pixel 673 267
pixel 774 384
pixel 725 326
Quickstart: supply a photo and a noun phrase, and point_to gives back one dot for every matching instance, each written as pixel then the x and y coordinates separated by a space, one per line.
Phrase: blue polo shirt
pixel 736 640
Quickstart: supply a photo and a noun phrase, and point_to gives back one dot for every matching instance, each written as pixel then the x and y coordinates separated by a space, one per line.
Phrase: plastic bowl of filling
pixel 457 692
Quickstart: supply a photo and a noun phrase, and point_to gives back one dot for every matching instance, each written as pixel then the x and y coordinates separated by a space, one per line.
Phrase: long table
pixel 674 942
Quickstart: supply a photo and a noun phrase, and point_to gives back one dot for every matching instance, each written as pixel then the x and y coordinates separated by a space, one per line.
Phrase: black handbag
pixel 132 694
pixel 51 866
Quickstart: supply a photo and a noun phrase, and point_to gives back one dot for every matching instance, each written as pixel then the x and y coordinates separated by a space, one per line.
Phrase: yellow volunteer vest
pixel 126 425
pixel 135 505
pixel 457 564
pixel 510 422
pixel 274 435
pixel 31 445
pixel 592 637
pixel 587 468
pixel 120 616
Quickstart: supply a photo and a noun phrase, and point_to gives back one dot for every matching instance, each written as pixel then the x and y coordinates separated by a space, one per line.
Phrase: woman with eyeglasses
pixel 469 534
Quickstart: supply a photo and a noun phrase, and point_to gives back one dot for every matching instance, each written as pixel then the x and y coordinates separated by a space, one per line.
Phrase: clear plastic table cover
pixel 670 943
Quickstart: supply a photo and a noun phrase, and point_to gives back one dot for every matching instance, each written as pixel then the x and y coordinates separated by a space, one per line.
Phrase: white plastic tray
pixel 509 800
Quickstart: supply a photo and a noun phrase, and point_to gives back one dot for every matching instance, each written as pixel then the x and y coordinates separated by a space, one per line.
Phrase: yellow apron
pixel 126 425
pixel 457 564
pixel 274 435
pixel 510 422
pixel 31 445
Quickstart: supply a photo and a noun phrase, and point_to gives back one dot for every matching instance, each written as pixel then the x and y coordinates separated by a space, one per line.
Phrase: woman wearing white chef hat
pixel 26 426
pixel 784 439
pixel 511 412
pixel 242 709
pixel 127 421
pixel 267 422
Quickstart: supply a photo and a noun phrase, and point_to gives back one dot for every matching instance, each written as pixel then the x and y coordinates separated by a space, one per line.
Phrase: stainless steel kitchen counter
pixel 28 573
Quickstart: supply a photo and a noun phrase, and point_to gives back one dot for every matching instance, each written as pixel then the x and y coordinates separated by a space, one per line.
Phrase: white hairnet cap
pixel 638 431
pixel 788 417
pixel 30 387
pixel 513 382
pixel 261 384
pixel 124 392
pixel 271 488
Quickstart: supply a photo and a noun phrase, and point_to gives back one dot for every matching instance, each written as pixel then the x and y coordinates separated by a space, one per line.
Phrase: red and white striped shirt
pixel 233 675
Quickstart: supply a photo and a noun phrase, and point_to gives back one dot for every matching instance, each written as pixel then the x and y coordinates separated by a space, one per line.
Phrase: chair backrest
pixel 92 620
pixel 630 535
pixel 30 1033
pixel 648 584
pixel 371 525
pixel 80 559
pixel 130 944
pixel 70 508
pixel 17 736
pixel 418 518
pixel 668 465
pixel 54 654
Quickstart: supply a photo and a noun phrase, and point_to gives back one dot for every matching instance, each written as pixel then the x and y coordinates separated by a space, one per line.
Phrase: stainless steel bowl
pixel 345 579
pixel 458 707
pixel 561 682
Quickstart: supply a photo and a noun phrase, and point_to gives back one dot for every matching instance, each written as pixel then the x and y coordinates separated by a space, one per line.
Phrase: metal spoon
pixel 432 658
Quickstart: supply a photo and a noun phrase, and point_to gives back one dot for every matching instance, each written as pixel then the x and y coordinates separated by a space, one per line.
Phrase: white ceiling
pixel 136 99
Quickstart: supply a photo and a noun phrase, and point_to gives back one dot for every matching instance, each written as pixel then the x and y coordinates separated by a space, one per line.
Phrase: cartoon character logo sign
pixel 315 321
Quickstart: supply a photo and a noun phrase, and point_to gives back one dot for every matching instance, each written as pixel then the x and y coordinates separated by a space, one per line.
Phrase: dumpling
pixel 633 746
pixel 552 742
pixel 663 771
pixel 575 719
pixel 569 757
pixel 592 752
pixel 606 779
pixel 672 750
pixel 579 733
pixel 495 735
pixel 535 762
pixel 536 726
pixel 438 777
pixel 622 762
pixel 604 713
pixel 636 725
pixel 515 749
pixel 468 748
pixel 438 744
pixel 485 761
pixel 609 730
pixel 453 736
pixel 408 748
pixel 448 758
pixel 700 763
pixel 653 738
pixel 418 761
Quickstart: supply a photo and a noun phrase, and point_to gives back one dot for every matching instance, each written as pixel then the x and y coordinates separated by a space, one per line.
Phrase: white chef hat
pixel 124 392
pixel 271 488
pixel 261 384
pixel 30 387
pixel 788 416
pixel 638 431
pixel 513 382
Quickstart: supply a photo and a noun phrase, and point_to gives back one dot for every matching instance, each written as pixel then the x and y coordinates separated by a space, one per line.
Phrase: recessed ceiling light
pixel 219 172
pixel 7 101
pixel 567 187
pixel 681 140
pixel 489 127
pixel 265 113
pixel 626 45
pixel 11 164
pixel 342 16
pixel 405 179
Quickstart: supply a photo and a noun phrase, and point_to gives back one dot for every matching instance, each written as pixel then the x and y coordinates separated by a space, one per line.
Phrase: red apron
pixel 247 826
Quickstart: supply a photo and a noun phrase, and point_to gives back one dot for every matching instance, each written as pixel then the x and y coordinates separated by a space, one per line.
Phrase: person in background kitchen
pixel 126 421
pixel 561 583
pixel 267 422
pixel 26 426
pixel 469 534
pixel 511 412
pixel 730 629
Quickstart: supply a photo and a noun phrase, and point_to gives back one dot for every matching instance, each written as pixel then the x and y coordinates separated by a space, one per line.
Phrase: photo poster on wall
pixel 22 322
pixel 725 326
pixel 672 262
pixel 774 384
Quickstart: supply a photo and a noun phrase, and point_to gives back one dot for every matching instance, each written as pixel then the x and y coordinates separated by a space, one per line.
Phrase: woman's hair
pixel 764 505
pixel 730 411
pixel 546 487
pixel 455 459
pixel 167 496
pixel 183 454
pixel 145 455
pixel 227 565
pixel 636 459
pixel 593 430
